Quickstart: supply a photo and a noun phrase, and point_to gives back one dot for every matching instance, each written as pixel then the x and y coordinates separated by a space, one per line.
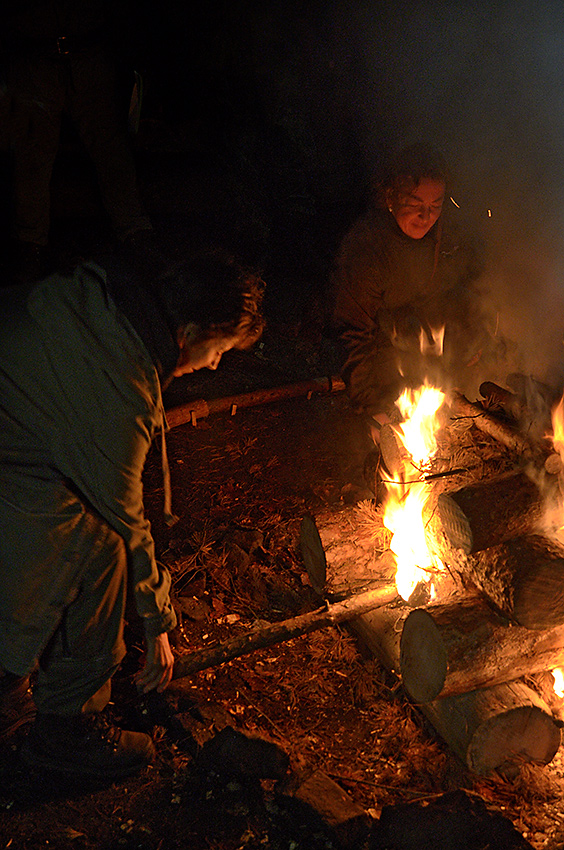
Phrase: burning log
pixel 489 512
pixel 522 577
pixel 491 425
pixel 497 728
pixel 456 647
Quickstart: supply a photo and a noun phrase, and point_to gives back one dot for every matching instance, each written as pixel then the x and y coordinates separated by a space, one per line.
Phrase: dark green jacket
pixel 80 402
pixel 388 289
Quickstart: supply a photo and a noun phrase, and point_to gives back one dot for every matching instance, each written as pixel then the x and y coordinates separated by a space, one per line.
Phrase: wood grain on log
pixel 522 577
pixel 350 545
pixel 380 632
pixel 488 512
pixel 489 424
pixel 456 647
pixel 496 728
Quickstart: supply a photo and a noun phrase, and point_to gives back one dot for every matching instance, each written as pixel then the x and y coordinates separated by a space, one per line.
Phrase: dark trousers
pixel 83 85
pixel 63 586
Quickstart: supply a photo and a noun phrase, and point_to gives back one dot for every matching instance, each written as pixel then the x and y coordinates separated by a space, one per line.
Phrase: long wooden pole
pixel 328 615
pixel 199 408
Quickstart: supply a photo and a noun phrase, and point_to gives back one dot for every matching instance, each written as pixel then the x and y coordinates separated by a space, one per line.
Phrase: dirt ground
pixel 239 744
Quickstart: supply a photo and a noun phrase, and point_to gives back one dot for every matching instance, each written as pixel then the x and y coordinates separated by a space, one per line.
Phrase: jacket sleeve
pixel 106 463
pixel 359 280
pixel 103 404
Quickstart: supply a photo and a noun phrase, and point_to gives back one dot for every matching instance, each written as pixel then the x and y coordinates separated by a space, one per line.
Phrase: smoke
pixel 484 82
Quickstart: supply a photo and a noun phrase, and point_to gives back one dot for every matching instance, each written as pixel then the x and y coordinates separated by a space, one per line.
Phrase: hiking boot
pixel 86 745
pixel 16 704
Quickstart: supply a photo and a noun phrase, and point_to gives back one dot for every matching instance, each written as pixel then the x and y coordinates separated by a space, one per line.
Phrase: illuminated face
pixel 201 353
pixel 417 211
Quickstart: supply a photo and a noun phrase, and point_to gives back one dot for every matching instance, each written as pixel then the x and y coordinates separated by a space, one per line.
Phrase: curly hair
pixel 406 168
pixel 218 294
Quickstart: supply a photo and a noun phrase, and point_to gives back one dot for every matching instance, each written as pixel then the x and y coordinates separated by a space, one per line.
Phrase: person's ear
pixel 186 334
pixel 389 200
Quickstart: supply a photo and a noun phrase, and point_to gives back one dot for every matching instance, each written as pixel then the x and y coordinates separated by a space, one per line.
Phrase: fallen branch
pixel 200 408
pixel 274 633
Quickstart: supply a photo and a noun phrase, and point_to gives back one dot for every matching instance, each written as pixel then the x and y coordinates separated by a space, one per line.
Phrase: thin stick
pixel 329 615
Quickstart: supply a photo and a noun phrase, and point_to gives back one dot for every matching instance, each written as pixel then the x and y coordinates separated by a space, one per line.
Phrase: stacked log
pixel 461 668
pixel 455 647
pixel 464 661
pixel 486 513
pixel 468 662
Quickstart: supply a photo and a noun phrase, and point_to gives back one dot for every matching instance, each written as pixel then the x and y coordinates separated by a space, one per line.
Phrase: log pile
pixel 470 661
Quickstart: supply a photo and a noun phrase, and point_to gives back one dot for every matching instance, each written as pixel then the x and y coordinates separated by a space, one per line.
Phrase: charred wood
pixel 488 512
pixel 523 578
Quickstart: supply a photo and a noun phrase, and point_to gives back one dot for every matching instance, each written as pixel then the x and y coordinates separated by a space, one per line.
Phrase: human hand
pixel 158 666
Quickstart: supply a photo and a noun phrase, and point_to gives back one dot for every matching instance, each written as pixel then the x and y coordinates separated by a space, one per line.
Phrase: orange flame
pixel 403 509
pixel 554 517
pixel 558 676
pixel 558 428
pixel 432 342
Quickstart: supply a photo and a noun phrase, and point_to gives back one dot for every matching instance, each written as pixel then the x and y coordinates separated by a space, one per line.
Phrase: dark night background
pixel 263 123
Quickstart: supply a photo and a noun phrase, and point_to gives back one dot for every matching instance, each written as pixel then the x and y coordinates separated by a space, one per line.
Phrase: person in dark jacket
pixel 83 359
pixel 406 303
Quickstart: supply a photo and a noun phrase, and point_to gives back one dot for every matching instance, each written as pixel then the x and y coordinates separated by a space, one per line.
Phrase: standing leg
pixel 93 106
pixel 37 103
pixel 63 585
pixel 74 681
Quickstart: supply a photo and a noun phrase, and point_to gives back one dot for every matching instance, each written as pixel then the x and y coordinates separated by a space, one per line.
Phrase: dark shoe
pixel 16 704
pixel 87 746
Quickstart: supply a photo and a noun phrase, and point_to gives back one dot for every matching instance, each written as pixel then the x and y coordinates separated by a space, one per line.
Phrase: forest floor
pixel 324 746
pixel 305 745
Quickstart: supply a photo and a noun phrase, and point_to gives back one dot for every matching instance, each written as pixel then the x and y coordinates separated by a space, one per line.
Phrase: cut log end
pixel 525 733
pixel 313 553
pixel 486 513
pixel 455 524
pixel 423 658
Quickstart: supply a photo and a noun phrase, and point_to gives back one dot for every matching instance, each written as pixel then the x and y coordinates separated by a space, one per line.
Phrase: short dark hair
pixel 407 167
pixel 218 294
